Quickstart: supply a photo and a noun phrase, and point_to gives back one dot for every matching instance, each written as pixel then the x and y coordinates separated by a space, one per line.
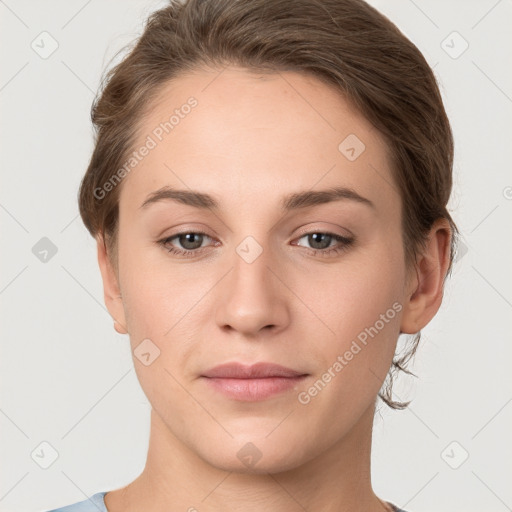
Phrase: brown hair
pixel 344 43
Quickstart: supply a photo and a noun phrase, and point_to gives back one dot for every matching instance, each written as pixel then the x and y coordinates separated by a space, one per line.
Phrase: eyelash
pixel 188 253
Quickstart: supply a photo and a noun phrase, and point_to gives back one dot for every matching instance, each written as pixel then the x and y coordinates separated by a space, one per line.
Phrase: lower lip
pixel 252 390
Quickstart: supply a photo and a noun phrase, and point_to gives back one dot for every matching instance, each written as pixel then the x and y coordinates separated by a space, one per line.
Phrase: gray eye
pixel 190 241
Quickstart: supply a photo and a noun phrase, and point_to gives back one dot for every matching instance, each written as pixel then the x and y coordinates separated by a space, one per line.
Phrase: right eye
pixel 191 241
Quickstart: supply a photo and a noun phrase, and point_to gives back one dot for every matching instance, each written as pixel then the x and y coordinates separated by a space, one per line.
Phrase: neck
pixel 175 478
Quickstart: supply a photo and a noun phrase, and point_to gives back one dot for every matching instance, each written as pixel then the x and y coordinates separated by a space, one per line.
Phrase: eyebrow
pixel 292 201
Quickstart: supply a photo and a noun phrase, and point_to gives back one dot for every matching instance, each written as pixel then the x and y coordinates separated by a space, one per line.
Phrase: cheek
pixel 158 304
pixel 362 309
pixel 358 310
pixel 356 293
pixel 156 293
pixel 163 307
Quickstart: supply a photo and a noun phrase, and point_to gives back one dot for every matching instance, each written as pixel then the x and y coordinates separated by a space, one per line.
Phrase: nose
pixel 252 297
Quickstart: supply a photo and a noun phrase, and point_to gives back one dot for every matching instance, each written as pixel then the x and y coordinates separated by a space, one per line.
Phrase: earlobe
pixel 425 293
pixel 119 328
pixel 111 291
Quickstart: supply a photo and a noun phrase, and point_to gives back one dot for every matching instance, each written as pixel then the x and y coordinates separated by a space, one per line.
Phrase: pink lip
pixel 254 382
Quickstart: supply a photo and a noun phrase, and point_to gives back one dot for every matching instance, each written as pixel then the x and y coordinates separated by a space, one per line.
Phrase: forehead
pixel 234 130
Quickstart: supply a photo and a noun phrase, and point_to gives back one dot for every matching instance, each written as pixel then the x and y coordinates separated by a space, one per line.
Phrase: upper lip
pixel 254 371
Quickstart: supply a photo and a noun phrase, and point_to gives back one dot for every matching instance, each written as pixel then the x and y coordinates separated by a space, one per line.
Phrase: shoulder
pixel 95 503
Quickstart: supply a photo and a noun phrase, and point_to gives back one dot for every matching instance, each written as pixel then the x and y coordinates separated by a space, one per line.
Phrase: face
pixel 268 265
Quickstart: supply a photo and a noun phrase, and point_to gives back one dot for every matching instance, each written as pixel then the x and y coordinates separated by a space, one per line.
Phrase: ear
pixel 425 289
pixel 111 290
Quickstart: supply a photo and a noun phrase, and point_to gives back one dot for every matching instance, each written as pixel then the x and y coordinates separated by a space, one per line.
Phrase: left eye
pixel 321 242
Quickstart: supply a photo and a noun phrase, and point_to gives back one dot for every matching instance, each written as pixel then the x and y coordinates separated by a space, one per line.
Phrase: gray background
pixel 68 378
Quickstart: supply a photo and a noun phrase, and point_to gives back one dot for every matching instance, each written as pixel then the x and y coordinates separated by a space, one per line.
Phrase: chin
pixel 254 455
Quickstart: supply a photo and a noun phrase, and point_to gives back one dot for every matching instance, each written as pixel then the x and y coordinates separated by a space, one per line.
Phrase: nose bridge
pixel 252 297
pixel 251 263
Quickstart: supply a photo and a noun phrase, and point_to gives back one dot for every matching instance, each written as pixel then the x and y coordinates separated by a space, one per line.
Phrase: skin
pixel 251 140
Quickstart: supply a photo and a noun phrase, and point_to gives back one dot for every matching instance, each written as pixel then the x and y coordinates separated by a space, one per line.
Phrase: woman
pixel 268 193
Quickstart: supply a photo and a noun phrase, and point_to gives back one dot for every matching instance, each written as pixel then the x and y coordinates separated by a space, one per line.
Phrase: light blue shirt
pixel 96 503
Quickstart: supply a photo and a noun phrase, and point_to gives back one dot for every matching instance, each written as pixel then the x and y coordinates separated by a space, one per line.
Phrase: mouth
pixel 254 382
